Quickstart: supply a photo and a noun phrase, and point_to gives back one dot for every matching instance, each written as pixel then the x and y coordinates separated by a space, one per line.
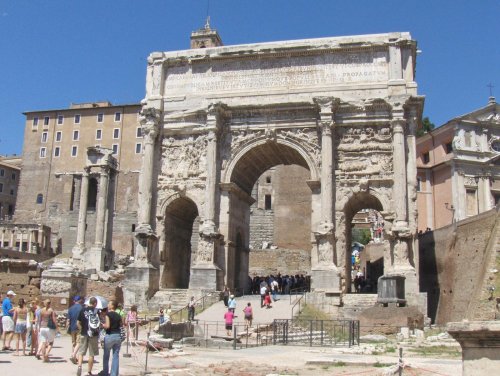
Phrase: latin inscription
pixel 278 73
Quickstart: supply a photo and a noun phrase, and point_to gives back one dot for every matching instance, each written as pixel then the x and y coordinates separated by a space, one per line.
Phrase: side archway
pixel 180 217
pixel 359 208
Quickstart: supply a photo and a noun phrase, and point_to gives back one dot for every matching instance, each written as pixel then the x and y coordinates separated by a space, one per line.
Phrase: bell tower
pixel 205 37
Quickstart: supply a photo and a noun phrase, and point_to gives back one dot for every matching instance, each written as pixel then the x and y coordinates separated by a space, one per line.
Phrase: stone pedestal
pixel 60 283
pixel 94 258
pixel 391 289
pixel 141 283
pixel 325 278
pixel 206 277
pixel 480 342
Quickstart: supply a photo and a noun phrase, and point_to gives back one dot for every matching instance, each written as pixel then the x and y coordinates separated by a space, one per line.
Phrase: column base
pixel 206 277
pixel 94 259
pixel 411 288
pixel 140 284
pixel 325 278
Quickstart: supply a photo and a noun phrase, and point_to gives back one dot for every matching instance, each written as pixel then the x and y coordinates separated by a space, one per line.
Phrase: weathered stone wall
pixel 22 277
pixel 261 227
pixel 452 264
pixel 108 290
pixel 284 261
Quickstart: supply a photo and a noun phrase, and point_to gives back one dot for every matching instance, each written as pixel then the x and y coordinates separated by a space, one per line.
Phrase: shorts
pixel 47 335
pixel 75 337
pixel 20 328
pixel 229 326
pixel 91 343
pixel 7 324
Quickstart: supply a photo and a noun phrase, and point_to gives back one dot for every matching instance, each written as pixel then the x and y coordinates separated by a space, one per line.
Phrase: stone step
pixel 359 300
pixel 175 298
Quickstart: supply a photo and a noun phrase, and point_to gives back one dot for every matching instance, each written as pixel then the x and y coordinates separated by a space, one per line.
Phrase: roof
pixel 73 109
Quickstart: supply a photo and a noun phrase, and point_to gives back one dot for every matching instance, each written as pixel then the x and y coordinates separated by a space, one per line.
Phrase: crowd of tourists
pixel 92 323
pixel 283 284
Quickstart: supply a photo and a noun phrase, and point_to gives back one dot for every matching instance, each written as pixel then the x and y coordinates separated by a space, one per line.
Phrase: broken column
pixel 480 342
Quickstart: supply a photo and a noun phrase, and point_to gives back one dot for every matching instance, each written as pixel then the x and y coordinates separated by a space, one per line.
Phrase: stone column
pixel 325 275
pixel 142 279
pixel 96 255
pixel 79 247
pixel 102 204
pixel 204 273
pixel 12 238
pixel 399 166
pixel 3 236
pixel 29 240
pixel 150 122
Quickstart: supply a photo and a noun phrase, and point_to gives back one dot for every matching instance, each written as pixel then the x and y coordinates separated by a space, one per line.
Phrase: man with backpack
pixel 90 325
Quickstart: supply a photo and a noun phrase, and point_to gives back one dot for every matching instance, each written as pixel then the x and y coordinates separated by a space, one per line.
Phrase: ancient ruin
pixel 214 119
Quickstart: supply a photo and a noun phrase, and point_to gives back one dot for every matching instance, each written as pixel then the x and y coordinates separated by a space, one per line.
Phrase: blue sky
pixel 54 52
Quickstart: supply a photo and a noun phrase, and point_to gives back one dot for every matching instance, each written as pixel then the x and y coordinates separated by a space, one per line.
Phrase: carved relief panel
pixel 364 152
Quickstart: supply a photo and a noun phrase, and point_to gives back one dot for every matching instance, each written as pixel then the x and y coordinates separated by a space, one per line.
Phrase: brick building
pixel 55 156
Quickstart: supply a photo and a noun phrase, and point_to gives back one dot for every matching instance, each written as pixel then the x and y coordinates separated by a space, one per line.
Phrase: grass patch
pixel 339 364
pixel 309 312
pixel 436 350
pixel 382 365
pixel 390 349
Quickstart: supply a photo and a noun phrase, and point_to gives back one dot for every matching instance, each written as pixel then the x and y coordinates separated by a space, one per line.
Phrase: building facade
pixel 10 172
pixel 59 147
pixel 459 168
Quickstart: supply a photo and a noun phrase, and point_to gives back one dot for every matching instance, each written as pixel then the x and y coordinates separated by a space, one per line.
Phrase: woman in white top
pixel 20 325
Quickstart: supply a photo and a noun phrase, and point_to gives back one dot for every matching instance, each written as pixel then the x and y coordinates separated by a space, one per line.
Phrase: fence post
pixel 310 333
pixel 322 332
pixel 350 332
pixel 234 337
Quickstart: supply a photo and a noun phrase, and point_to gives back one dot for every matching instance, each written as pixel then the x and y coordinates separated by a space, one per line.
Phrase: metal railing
pixel 241 336
pixel 201 304
pixel 325 333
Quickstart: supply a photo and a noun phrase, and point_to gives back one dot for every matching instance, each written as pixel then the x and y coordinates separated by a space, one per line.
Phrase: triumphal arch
pixel 215 118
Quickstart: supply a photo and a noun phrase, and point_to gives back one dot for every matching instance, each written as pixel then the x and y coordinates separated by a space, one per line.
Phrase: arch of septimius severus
pixel 214 119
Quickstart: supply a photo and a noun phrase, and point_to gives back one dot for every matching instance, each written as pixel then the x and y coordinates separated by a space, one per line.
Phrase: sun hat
pixel 10 292
pixel 232 296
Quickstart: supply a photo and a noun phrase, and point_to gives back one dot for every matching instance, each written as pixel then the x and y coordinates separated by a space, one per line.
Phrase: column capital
pixel 150 122
pixel 398 125
pixel 216 113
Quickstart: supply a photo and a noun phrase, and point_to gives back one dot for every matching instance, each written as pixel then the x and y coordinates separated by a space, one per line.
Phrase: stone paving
pixel 267 360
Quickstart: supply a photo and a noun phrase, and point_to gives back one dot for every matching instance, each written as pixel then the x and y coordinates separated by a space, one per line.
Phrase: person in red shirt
pixel 267 300
pixel 228 319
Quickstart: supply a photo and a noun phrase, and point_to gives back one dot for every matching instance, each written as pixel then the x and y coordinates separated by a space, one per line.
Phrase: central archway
pixel 242 174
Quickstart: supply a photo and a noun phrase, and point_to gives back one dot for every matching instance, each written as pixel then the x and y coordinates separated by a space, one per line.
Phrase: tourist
pixel 248 315
pixel 161 317
pixel 225 295
pixel 132 323
pixel 20 325
pixel 112 340
pixel 32 337
pixel 263 292
pixel 89 324
pixel 231 303
pixel 73 313
pixel 267 300
pixel 274 289
pixel 7 320
pixel 191 309
pixel 228 319
pixel 48 327
pixel 168 316
pixel 120 310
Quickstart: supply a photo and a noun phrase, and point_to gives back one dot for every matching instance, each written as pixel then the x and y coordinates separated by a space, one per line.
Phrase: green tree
pixel 361 235
pixel 427 126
